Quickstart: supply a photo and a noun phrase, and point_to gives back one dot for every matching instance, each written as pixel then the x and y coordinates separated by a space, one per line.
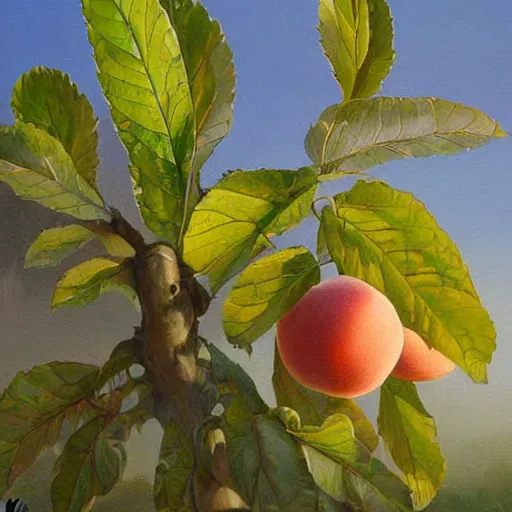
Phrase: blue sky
pixel 457 50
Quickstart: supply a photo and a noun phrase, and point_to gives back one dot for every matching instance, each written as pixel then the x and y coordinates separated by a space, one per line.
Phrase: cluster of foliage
pixel 167 74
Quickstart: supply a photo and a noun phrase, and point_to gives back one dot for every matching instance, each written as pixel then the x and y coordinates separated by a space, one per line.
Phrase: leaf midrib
pixel 179 170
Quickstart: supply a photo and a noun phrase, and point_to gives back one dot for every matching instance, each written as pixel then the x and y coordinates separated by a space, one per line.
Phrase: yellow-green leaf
pixel 334 438
pixel 236 213
pixel 52 246
pixel 49 99
pixel 144 78
pixel 38 168
pixel 367 486
pixel 32 410
pixel 314 408
pixel 355 136
pixel 357 38
pixel 388 238
pixel 410 435
pixel 209 63
pixel 265 291
pixel 84 283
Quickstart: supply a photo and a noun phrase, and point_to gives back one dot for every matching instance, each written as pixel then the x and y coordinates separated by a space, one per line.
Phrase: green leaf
pixel 357 38
pixel 49 99
pixel 209 63
pixel 355 136
pixel 410 435
pixel 144 78
pixel 388 239
pixel 314 408
pixel 91 463
pixel 37 167
pixel 122 357
pixel 32 410
pixel 267 468
pixel 334 438
pixel 238 211
pixel 265 291
pixel 367 486
pixel 53 245
pixel 84 283
pixel 232 380
pixel 173 473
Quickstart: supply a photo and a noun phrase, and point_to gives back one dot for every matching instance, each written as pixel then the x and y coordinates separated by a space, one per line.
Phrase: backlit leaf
pixel 84 283
pixel 209 63
pixel 32 410
pixel 265 291
pixel 49 99
pixel 389 239
pixel 334 438
pixel 37 167
pixel 314 408
pixel 91 463
pixel 361 134
pixel 410 435
pixel 357 38
pixel 53 245
pixel 367 486
pixel 144 78
pixel 240 209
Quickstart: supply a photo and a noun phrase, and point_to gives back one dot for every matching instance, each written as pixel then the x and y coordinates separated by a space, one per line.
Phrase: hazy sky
pixel 457 50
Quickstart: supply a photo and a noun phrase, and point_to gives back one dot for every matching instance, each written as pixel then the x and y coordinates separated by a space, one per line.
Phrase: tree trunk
pixel 171 303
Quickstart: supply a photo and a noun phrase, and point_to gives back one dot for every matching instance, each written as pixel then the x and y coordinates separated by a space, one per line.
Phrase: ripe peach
pixel 419 362
pixel 343 338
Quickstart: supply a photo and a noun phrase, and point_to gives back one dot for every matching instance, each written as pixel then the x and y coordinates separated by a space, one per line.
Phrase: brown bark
pixel 171 300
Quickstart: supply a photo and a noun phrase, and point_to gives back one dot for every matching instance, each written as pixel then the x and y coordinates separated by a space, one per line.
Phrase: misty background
pixel 457 50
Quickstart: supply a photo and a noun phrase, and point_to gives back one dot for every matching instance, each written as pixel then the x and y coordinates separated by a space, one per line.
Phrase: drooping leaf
pixel 91 463
pixel 265 291
pixel 49 99
pixel 357 38
pixel 234 381
pixel 388 238
pixel 314 408
pixel 172 491
pixel 144 78
pixel 361 134
pixel 53 245
pixel 367 486
pixel 84 283
pixel 37 167
pixel 266 466
pixel 410 435
pixel 210 70
pixel 240 209
pixel 32 410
